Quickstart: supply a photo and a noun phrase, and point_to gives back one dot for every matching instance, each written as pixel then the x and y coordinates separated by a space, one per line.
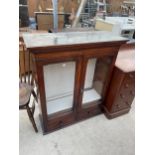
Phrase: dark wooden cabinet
pixel 73 75
pixel 121 92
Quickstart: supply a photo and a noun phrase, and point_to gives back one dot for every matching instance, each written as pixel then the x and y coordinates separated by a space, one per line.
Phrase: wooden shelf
pixel 66 102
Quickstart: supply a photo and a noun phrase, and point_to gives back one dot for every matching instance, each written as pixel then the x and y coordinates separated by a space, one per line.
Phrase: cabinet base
pixel 111 115
pixel 51 129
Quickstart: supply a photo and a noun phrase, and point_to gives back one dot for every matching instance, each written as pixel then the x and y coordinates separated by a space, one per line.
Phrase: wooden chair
pixel 26 84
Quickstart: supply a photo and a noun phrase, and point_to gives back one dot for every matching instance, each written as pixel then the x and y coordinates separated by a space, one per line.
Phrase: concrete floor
pixel 95 136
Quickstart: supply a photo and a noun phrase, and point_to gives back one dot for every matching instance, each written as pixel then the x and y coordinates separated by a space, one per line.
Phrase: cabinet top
pixel 126 60
pixel 69 38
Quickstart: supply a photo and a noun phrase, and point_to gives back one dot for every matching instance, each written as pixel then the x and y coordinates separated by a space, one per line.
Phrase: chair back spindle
pixel 24 64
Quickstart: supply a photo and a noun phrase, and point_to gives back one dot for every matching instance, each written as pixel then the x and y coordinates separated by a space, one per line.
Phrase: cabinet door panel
pixel 96 76
pixel 59 80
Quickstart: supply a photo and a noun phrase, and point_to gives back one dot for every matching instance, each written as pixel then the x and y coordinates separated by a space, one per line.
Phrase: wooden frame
pixel 44 20
pixel 80 53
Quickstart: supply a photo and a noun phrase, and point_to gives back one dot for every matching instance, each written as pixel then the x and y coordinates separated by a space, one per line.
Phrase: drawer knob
pixel 127 103
pixel 131 75
pixel 126 85
pixel 132 93
pixel 122 96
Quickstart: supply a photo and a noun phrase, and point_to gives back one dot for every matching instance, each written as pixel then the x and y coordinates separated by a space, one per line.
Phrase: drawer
pixel 127 90
pixel 122 101
pixel 120 104
pixel 89 112
pixel 129 79
pixel 127 87
pixel 126 93
pixel 59 122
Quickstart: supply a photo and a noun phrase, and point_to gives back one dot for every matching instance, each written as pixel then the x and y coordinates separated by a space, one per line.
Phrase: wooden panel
pixel 116 5
pixel 71 4
pixel 61 121
pixel 89 112
pixel 45 21
pixel 31 7
pixel 42 5
pixel 60 21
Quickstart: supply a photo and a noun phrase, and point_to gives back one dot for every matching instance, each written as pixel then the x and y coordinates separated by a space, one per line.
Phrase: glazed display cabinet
pixel 72 72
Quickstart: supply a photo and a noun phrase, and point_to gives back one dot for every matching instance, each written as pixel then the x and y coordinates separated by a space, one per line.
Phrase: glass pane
pixel 59 86
pixel 96 75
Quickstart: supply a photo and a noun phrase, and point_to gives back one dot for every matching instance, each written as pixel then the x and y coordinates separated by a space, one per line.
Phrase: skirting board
pixel 110 115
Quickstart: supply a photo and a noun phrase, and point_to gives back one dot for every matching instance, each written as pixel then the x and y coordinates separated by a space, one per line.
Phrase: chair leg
pixel 33 107
pixel 35 96
pixel 31 118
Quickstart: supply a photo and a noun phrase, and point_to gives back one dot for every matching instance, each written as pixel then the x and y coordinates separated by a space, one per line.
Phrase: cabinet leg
pixel 111 115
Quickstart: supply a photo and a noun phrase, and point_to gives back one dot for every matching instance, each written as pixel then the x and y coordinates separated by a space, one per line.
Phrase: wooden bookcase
pixel 73 71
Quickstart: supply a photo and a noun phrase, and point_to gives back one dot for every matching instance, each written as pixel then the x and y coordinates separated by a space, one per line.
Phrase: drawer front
pixel 129 80
pixel 126 94
pixel 89 112
pixel 120 105
pixel 60 122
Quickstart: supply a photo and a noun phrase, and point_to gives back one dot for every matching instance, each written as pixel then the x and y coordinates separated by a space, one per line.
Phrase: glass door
pixel 96 79
pixel 59 82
